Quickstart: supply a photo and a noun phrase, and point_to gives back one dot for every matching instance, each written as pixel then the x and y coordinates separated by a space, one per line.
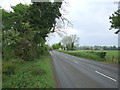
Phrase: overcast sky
pixel 90 19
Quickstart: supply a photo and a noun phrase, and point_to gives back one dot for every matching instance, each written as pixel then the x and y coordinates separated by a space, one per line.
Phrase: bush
pixel 7 53
pixel 101 54
pixel 36 71
pixel 8 68
pixel 18 60
pixel 31 74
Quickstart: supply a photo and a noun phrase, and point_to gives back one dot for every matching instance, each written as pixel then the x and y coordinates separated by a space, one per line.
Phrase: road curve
pixel 74 72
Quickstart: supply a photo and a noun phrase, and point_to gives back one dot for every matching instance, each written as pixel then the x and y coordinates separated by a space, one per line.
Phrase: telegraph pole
pixel 118 32
pixel 118 4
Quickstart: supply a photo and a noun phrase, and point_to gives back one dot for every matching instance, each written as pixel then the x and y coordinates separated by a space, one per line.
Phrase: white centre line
pixel 76 62
pixel 105 75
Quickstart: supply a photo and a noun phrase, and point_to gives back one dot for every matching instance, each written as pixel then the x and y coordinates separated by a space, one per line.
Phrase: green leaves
pixel 115 19
pixel 57 46
pixel 27 26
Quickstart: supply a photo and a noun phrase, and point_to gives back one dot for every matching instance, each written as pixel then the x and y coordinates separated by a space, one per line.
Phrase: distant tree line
pixel 77 47
pixel 98 48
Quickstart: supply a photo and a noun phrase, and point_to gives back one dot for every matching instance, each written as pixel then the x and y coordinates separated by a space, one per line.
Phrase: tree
pixel 70 41
pixel 115 20
pixel 26 27
pixel 57 46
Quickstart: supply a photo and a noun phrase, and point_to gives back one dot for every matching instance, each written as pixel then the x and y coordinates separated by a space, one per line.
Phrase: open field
pixel 32 74
pixel 111 55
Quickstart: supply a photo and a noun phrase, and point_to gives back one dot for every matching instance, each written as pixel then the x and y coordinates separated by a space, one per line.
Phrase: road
pixel 74 72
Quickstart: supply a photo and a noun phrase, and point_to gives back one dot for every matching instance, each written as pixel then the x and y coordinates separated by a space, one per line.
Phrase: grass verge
pixel 111 56
pixel 32 74
pixel 84 55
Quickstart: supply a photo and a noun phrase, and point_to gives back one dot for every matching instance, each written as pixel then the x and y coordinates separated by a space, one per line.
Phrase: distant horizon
pixel 92 45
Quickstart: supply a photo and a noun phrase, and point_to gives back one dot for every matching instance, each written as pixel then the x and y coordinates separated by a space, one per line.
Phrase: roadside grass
pixel 84 54
pixel 0 75
pixel 32 74
pixel 111 55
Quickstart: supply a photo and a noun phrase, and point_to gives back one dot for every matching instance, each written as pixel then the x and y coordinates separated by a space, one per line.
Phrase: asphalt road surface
pixel 74 72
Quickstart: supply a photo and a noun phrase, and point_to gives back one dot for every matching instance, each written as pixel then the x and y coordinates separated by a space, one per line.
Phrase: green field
pixel 32 74
pixel 111 55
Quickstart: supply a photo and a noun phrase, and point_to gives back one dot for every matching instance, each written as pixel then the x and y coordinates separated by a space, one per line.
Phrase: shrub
pixel 7 53
pixel 101 54
pixel 36 70
pixel 8 68
pixel 18 60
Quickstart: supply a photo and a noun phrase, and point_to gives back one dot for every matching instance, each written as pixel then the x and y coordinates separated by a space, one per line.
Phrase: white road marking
pixel 76 62
pixel 105 75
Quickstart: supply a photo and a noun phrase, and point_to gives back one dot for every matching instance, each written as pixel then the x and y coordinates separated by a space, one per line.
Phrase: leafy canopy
pixel 26 27
pixel 115 20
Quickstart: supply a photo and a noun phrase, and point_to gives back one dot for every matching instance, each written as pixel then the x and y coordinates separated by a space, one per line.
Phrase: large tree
pixel 57 46
pixel 26 27
pixel 70 41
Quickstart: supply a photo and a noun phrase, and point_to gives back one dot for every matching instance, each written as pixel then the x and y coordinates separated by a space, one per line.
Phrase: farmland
pixel 112 56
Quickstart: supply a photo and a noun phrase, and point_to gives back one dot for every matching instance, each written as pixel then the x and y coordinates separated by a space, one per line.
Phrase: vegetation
pixel 69 42
pixel 115 20
pixel 25 64
pixel 85 54
pixel 26 61
pixel 110 56
pixel 32 74
pixel 77 47
pixel 57 46
pixel 26 27
pixel 97 48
